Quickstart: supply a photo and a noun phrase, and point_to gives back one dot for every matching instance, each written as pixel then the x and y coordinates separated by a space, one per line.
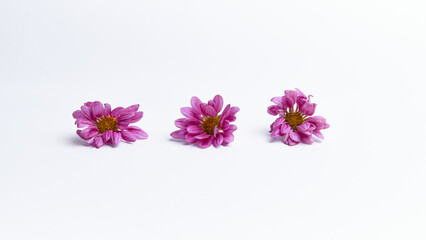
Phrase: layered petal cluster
pixel 102 125
pixel 205 125
pixel 295 122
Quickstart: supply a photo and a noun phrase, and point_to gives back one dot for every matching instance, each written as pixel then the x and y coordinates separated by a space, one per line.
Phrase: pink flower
pixel 106 126
pixel 204 125
pixel 295 122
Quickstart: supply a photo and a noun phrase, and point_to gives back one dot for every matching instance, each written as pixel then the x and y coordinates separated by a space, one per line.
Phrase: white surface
pixel 362 60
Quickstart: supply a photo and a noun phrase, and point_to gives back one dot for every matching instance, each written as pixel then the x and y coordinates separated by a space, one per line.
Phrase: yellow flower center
pixel 209 123
pixel 106 123
pixel 294 119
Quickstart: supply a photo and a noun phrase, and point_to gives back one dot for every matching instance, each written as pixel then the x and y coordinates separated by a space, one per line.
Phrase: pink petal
pixel 78 114
pixel 128 136
pixel 116 112
pixel 116 138
pixel 211 103
pixel 123 125
pixel 187 112
pixel 107 109
pixel 126 116
pixel 219 139
pixel 231 118
pixel 98 142
pixel 97 109
pixel 133 108
pixel 218 103
pixel 87 133
pixel 191 121
pixel 306 128
pixel 88 104
pixel 308 108
pixel 87 112
pixel 230 114
pixel 215 131
pixel 214 142
pixel 307 139
pixel 224 124
pixel 275 132
pixel 318 134
pixel 228 138
pixel 194 129
pixel 179 134
pixel 225 112
pixel 137 132
pixel 195 103
pixel 326 125
pixel 278 122
pixel 203 106
pixel 300 93
pixel 106 136
pixel 294 136
pixel 190 138
pixel 84 123
pixel 210 111
pixel 289 98
pixel 231 128
pixel 180 123
pixel 278 101
pixel 301 97
pixel 319 122
pixel 284 129
pixel 289 141
pixel 234 110
pixel 273 110
pixel 203 136
pixel 138 116
pixel 205 143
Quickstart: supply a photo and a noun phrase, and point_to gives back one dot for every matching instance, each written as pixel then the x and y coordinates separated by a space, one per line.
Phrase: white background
pixel 364 62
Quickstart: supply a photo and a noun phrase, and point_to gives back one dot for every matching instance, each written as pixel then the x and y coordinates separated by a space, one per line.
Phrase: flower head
pixel 204 125
pixel 295 122
pixel 103 125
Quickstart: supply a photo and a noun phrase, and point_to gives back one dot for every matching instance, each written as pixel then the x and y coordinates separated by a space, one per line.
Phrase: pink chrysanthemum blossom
pixel 104 125
pixel 204 125
pixel 295 122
